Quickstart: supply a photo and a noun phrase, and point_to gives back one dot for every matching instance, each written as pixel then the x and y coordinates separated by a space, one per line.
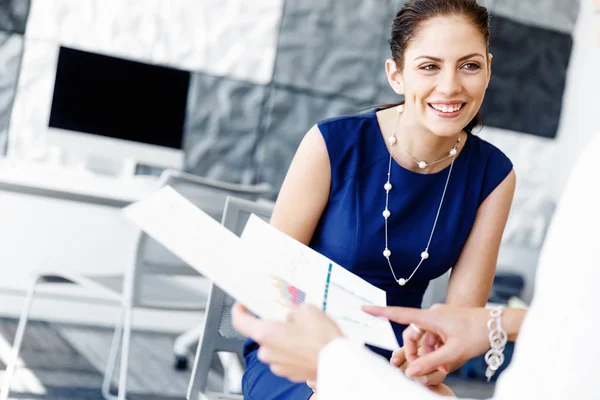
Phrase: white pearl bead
pixel 400 108
pixel 422 164
pixel 424 255
pixel 387 253
pixel 401 281
pixel 387 187
pixel 386 213
pixel 392 140
pixel 453 152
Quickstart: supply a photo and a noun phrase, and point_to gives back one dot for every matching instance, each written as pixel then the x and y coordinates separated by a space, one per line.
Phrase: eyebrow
pixel 436 59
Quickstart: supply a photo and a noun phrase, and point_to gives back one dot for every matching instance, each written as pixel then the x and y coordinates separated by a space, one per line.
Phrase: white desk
pixel 58 219
pixel 68 184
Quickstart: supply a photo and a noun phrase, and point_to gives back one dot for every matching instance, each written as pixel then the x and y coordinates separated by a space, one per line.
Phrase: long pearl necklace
pixel 388 187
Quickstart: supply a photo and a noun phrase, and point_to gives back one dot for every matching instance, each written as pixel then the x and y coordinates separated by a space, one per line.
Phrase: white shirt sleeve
pixel 351 372
pixel 557 354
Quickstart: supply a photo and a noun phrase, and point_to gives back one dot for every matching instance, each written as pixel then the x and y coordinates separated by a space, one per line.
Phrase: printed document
pixel 266 270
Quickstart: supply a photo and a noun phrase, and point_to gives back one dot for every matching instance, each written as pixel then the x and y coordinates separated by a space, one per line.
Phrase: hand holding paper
pixel 266 270
pixel 337 291
pixel 285 345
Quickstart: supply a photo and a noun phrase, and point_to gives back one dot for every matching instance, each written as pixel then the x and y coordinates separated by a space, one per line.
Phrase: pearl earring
pixel 400 108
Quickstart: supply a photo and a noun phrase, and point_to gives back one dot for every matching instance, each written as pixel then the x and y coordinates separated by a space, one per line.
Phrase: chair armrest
pixel 169 176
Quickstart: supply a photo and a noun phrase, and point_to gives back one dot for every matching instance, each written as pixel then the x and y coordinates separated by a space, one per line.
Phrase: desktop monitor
pixel 110 110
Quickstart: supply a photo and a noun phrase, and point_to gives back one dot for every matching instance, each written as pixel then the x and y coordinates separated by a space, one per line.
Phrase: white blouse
pixel 557 354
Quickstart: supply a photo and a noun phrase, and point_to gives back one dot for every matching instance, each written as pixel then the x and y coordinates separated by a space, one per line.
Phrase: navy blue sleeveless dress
pixel 351 229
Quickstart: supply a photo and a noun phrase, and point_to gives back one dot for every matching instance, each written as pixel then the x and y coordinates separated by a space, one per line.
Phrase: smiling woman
pixel 441 64
pixel 401 194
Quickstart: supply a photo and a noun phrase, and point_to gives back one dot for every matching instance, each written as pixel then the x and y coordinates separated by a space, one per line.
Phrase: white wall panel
pixel 233 38
pixel 31 109
pixel 124 28
pixel 532 157
pixel 580 116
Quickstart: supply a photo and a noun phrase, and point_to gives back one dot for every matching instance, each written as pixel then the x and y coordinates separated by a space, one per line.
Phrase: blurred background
pixel 98 98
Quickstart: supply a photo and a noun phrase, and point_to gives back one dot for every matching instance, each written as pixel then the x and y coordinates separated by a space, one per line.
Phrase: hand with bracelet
pixel 461 333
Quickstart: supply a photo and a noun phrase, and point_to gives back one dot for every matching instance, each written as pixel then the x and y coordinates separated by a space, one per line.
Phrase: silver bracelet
pixel 494 358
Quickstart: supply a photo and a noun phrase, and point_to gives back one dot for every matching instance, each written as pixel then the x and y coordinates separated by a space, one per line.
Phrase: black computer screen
pixel 118 98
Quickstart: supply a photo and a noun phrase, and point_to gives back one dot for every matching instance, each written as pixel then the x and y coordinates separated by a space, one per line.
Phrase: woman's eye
pixel 471 66
pixel 429 67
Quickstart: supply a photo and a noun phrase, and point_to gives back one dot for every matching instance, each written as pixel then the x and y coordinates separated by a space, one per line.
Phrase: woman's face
pixel 445 75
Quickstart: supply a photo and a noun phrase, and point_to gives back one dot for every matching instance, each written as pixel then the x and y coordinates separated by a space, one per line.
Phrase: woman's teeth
pixel 446 108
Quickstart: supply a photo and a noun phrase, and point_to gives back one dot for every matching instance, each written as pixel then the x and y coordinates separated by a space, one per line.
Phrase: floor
pixel 66 362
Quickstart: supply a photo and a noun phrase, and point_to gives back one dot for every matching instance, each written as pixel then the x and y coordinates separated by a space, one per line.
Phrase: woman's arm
pixel 305 190
pixel 472 276
pixel 512 319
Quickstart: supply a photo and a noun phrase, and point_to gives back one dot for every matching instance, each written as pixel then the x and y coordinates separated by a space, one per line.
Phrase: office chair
pixel 217 332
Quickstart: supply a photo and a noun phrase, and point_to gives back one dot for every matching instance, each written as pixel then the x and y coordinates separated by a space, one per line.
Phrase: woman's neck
pixel 413 140
pixel 421 143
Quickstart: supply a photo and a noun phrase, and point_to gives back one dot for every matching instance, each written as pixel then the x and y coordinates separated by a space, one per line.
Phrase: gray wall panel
pixel 13 15
pixel 289 115
pixel 11 49
pixel 384 93
pixel 332 46
pixel 221 127
pixel 559 15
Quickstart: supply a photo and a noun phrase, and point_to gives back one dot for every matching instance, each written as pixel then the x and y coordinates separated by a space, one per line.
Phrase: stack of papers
pixel 266 270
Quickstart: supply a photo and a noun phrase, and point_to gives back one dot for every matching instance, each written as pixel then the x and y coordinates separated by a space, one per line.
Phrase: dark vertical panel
pixel 528 78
